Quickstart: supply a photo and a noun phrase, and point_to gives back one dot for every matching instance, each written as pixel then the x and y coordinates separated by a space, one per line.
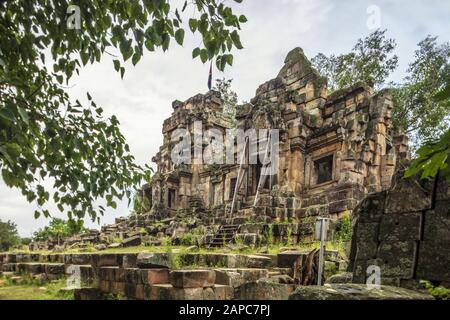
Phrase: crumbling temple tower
pixel 333 150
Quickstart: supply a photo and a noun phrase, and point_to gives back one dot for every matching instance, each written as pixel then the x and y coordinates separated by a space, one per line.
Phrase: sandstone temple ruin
pixel 337 155
pixel 333 150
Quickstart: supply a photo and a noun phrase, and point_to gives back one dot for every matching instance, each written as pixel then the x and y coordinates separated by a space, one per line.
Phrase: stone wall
pixel 406 232
pixel 167 276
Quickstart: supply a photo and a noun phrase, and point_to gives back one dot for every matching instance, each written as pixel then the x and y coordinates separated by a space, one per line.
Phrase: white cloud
pixel 142 100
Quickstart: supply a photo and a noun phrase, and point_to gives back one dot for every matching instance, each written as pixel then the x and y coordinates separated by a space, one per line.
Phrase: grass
pixel 29 290
pixel 272 249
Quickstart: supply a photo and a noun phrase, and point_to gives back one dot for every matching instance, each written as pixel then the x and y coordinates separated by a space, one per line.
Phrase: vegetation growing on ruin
pixel 438 292
pixel 344 229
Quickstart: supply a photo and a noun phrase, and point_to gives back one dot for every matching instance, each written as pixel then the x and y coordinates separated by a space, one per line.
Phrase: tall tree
pixel 44 136
pixel 416 111
pixel 9 236
pixel 371 60
pixel 434 155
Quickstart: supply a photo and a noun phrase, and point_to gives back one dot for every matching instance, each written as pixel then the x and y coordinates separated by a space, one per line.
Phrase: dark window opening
pixel 171 198
pixel 324 169
pixel 269 180
pixel 232 187
pixel 147 193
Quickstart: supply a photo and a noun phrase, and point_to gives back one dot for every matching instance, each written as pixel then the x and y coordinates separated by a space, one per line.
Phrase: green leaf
pixel 84 57
pixel 236 40
pixel 166 42
pixel 13 149
pixel 6 114
pixel 229 59
pixel 23 114
pixel 149 45
pixel 242 19
pixel 135 59
pixel 179 36
pixel 195 53
pixel 203 55
pixel 193 23
pixel 116 64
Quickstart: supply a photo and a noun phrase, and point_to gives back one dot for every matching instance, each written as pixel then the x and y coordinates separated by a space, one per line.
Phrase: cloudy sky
pixel 142 100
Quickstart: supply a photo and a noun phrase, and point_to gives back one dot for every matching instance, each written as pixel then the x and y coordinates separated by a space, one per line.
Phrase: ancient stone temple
pixel 333 150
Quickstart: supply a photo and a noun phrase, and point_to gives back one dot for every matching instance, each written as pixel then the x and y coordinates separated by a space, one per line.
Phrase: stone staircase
pixel 224 235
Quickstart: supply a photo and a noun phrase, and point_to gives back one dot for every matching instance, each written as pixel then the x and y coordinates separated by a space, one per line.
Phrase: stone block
pixel 192 278
pixel 117 288
pixel 54 268
pixel 104 286
pixel 9 267
pixel 154 276
pixel 153 260
pixel 87 274
pixel 107 260
pixel 87 293
pixel 168 292
pixel 33 268
pixel 79 259
pixel 396 259
pixel 345 277
pixel 263 290
pixel 400 227
pixel 366 240
pixel 371 208
pixel 342 205
pixel 409 195
pixel 130 290
pixel 237 276
pixel 127 260
pixel 132 275
pixel 437 222
pixel 107 273
pixel 287 259
pixel 340 291
pixel 161 292
pixel 140 292
pixel 359 271
pixel 132 241
pixel 434 261
pixel 442 190
pixel 258 261
pixel 10 258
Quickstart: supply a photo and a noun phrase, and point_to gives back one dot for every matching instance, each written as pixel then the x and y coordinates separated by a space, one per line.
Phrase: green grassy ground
pixel 28 290
pixel 272 249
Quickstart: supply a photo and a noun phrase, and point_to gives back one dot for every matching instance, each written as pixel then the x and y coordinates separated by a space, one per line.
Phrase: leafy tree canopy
pixel 416 110
pixel 371 61
pixel 46 137
pixel 434 155
pixel 59 228
pixel 9 236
